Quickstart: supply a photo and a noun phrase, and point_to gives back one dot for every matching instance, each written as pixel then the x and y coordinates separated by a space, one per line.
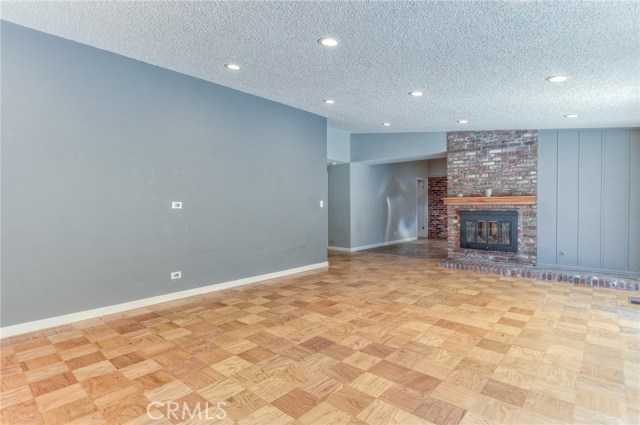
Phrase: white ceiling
pixel 481 61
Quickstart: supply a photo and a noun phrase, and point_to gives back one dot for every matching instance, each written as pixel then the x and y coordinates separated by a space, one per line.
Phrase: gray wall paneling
pixel 615 199
pixel 568 148
pixel 634 200
pixel 547 196
pixel 589 199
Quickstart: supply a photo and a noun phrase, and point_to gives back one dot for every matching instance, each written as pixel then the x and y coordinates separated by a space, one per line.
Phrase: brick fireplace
pixel 506 163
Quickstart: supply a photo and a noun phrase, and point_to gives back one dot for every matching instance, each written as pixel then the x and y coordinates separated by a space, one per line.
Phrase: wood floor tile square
pixel 15 396
pixel 221 390
pixel 242 405
pixel 362 360
pixel 103 384
pixel 231 365
pixel 495 410
pixel 256 355
pixel 325 413
pixel 25 412
pixel 321 387
pixel 403 398
pixel 71 412
pixel 350 400
pixel 371 384
pixel 125 409
pixel 439 412
pixel 152 380
pixel 267 415
pixel 343 372
pixel 505 392
pixel 51 384
pixel 60 397
pixel 549 407
pixel 296 402
pixel 383 413
pixel 272 388
pixel 420 382
pixel 459 396
pixel 337 351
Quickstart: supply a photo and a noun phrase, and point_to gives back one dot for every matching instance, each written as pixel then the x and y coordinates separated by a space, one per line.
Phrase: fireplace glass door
pixel 489 230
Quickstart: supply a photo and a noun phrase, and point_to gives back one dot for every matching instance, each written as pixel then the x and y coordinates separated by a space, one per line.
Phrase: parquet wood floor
pixel 375 339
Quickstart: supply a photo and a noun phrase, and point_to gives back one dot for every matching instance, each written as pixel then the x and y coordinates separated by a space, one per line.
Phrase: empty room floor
pixel 420 248
pixel 376 339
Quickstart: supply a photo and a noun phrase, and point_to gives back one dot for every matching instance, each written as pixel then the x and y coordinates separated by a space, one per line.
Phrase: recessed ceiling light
pixel 416 93
pixel 463 121
pixel 558 78
pixel 232 66
pixel 386 124
pixel 329 101
pixel 571 116
pixel 328 41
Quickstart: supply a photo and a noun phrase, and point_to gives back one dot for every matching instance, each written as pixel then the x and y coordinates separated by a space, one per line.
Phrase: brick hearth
pixel 587 278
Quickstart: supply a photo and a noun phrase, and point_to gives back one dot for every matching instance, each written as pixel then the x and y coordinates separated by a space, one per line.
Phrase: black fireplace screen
pixel 489 230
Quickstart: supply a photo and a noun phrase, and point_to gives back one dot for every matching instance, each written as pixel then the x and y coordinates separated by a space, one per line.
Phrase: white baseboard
pixel 375 245
pixel 338 248
pixel 51 322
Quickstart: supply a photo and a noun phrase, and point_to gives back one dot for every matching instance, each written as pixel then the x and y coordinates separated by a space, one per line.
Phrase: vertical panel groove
pixel 629 201
pixel 557 190
pixel 578 205
pixel 602 177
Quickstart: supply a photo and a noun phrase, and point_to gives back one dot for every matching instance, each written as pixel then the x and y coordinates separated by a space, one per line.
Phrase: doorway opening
pixel 422 209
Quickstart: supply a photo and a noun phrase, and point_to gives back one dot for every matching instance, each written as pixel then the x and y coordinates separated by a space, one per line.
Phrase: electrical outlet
pixel 321 204
pixel 176 205
pixel 176 275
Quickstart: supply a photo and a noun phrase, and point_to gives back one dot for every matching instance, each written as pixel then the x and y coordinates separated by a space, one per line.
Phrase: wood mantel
pixel 492 200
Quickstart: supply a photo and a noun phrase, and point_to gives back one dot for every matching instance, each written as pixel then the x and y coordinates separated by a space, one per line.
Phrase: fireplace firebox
pixel 489 230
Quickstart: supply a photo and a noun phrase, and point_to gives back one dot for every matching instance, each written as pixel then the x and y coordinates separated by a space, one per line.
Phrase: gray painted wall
pixel 95 146
pixel 383 201
pixel 387 147
pixel 589 199
pixel 437 167
pixel 338 147
pixel 339 206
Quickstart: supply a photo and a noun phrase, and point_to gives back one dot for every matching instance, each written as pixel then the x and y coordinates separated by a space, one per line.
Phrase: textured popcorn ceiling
pixel 482 61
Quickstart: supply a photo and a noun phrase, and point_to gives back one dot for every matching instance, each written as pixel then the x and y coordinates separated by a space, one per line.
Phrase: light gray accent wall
pixel 388 147
pixel 588 199
pixel 634 200
pixel 437 167
pixel 338 145
pixel 383 201
pixel 568 198
pixel 95 146
pixel 615 200
pixel 339 206
pixel 590 196
pixel 547 196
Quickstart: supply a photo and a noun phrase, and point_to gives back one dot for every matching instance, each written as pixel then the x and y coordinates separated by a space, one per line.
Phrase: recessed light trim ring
pixel 328 41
